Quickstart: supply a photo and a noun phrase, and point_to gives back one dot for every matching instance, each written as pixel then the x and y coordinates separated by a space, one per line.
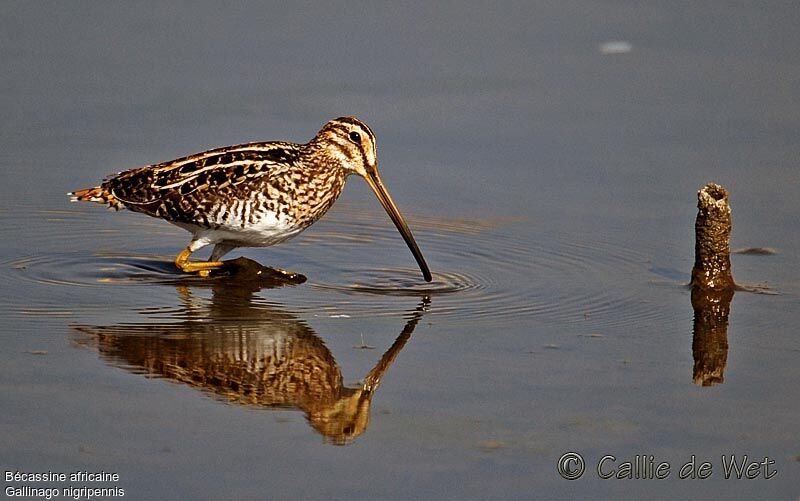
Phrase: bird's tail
pixel 97 194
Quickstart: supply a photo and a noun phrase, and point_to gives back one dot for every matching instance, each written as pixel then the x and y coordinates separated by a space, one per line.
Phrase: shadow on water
pixel 262 357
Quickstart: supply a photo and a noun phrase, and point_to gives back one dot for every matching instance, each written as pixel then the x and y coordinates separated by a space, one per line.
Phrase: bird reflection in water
pixel 249 354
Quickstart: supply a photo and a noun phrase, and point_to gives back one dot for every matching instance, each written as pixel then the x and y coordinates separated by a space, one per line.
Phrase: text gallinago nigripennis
pixel 253 194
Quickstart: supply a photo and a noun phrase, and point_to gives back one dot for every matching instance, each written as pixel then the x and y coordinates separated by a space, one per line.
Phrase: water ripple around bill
pixel 481 269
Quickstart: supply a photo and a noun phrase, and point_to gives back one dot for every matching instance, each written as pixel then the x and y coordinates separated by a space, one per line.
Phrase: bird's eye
pixel 355 137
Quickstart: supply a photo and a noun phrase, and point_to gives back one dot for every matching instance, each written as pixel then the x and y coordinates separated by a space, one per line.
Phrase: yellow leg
pixel 201 267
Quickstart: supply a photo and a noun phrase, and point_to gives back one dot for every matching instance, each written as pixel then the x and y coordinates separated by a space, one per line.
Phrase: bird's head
pixel 350 143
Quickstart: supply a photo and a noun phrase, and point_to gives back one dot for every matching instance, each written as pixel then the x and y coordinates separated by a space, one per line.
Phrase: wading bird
pixel 252 194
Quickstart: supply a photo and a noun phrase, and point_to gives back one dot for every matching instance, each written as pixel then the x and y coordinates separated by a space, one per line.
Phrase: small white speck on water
pixel 615 47
pixel 340 315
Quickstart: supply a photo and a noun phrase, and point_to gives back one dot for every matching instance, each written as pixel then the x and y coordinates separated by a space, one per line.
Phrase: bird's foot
pixel 202 268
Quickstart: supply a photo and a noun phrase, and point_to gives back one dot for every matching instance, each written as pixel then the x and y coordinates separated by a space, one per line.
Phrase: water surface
pixel 549 181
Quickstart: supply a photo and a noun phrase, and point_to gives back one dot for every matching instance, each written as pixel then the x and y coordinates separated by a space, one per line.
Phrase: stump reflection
pixel 710 339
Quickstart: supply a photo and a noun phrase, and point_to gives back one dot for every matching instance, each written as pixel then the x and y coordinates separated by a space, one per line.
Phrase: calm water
pixel 549 179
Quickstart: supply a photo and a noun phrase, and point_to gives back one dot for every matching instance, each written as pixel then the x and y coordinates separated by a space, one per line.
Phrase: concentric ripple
pixel 403 282
pixel 357 265
pixel 486 270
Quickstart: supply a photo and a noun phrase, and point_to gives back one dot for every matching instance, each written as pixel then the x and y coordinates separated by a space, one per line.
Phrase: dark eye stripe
pixel 364 128
pixel 346 148
pixel 343 149
pixel 343 133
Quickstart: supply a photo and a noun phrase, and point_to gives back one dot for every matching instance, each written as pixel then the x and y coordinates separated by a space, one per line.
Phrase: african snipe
pixel 253 194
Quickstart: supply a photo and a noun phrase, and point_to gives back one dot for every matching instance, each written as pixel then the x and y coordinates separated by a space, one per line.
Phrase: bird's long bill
pixel 374 182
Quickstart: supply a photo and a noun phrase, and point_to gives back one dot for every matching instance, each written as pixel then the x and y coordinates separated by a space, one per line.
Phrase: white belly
pixel 267 228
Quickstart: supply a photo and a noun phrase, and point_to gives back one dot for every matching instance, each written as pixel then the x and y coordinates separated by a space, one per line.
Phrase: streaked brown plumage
pixel 252 194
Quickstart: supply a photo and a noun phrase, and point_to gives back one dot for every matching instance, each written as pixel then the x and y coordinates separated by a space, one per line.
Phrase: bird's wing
pixel 175 190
